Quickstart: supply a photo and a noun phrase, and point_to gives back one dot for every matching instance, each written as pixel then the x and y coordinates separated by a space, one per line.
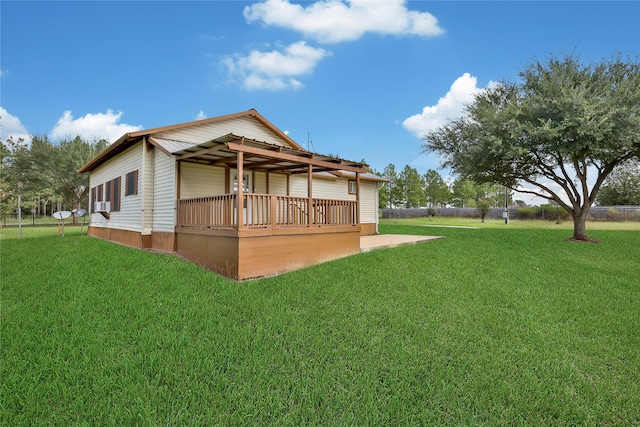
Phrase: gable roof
pixel 131 138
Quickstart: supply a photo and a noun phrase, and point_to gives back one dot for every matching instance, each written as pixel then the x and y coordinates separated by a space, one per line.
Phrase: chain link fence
pixel 11 220
pixel 597 213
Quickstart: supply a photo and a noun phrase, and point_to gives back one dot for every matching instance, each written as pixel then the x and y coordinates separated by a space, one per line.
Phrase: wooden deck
pixel 262 211
pixel 271 234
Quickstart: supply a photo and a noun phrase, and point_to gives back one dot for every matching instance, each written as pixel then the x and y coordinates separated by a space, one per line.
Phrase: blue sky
pixel 363 78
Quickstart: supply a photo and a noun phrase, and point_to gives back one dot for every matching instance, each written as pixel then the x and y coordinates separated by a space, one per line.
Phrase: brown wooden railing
pixel 264 211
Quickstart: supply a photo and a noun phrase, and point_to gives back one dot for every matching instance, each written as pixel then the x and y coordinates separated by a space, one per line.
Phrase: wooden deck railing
pixel 265 210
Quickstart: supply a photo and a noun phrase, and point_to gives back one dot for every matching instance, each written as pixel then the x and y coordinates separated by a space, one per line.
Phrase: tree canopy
pixel 44 168
pixel 563 121
pixel 436 189
pixel 622 187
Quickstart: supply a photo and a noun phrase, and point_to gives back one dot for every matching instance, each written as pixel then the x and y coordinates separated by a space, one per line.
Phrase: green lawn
pixel 514 223
pixel 492 326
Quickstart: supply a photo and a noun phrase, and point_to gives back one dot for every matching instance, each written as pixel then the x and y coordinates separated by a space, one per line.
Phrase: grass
pixel 513 223
pixel 494 326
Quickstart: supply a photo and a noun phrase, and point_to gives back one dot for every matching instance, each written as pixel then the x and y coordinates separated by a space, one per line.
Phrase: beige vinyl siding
pixel 200 180
pixel 338 189
pixel 323 188
pixel 368 202
pixel 241 126
pixel 298 185
pixel 129 216
pixel 164 197
pixel 332 189
pixel 278 184
pixel 260 182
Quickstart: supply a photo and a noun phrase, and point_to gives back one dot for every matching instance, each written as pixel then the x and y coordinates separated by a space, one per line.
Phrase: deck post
pixel 310 213
pixel 239 195
pixel 357 198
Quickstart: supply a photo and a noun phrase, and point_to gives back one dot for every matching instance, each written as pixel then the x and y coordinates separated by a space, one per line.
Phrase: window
pixel 131 184
pixel 112 194
pixel 96 196
pixel 246 183
pixel 353 187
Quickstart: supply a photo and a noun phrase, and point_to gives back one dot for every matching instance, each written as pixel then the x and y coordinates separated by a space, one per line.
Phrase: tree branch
pixel 553 194
pixel 568 179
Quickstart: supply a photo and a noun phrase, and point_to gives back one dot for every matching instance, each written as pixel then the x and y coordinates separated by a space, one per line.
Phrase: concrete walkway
pixel 382 241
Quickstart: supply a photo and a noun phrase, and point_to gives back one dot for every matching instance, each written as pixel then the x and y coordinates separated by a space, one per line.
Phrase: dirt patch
pixel 582 240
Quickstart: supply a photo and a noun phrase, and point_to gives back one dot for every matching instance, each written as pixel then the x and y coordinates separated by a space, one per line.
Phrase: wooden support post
pixel 227 179
pixel 239 195
pixel 310 213
pixel 357 198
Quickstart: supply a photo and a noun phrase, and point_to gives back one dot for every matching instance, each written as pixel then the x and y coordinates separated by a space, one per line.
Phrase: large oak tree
pixel 563 121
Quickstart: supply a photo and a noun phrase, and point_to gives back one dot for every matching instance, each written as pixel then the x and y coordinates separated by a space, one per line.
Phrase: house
pixel 232 193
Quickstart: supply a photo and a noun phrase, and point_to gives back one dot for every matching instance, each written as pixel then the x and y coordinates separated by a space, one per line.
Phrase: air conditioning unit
pixel 102 206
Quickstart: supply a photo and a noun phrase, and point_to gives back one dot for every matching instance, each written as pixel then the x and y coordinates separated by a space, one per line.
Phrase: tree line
pixel 408 189
pixel 44 173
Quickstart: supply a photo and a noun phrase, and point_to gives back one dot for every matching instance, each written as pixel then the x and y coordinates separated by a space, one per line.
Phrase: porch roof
pixel 257 155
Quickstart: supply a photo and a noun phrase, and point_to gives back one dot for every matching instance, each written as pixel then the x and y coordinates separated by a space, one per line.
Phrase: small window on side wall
pixel 131 187
pixel 353 188
pixel 112 194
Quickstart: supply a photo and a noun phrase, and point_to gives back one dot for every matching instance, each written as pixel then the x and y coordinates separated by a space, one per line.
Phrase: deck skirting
pixel 255 254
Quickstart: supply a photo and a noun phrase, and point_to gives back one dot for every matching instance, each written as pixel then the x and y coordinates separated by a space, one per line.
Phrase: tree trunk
pixel 579 227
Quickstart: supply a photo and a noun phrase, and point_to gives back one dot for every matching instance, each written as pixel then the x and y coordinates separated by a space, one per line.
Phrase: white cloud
pixel 274 70
pixel 12 127
pixel 201 115
pixel 334 21
pixel 92 126
pixel 450 106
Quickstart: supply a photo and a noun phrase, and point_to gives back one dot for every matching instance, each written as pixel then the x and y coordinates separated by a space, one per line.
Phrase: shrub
pixel 484 207
pixel 612 215
pixel 554 213
pixel 528 213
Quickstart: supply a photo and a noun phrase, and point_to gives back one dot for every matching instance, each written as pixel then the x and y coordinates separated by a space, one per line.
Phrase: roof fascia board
pixel 105 155
pixel 127 138
pixel 277 131
pixel 194 123
pixel 249 113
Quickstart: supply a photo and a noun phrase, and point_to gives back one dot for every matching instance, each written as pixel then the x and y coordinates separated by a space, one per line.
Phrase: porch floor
pixel 382 241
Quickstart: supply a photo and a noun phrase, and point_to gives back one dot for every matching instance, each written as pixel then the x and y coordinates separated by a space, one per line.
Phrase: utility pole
pixel 505 214
pixel 19 216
